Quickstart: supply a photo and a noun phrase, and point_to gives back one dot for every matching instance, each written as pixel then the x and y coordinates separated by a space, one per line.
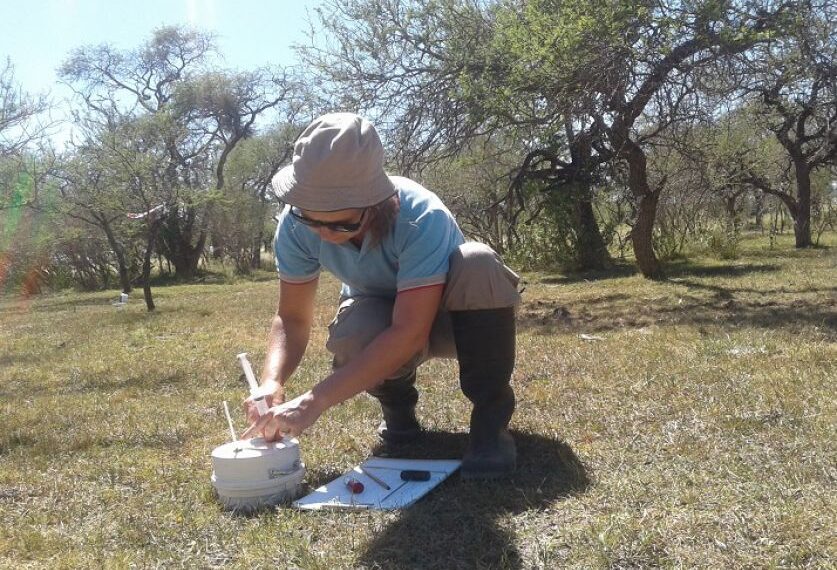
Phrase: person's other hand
pixel 290 418
pixel 275 396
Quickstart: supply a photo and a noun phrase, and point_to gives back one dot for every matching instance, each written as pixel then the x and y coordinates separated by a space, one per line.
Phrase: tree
pixel 28 223
pixel 206 112
pixel 225 107
pixel 21 175
pixel 473 185
pixel 793 78
pixel 244 213
pixel 90 195
pixel 718 149
pixel 577 83
pixel 427 71
pixel 18 114
pixel 639 78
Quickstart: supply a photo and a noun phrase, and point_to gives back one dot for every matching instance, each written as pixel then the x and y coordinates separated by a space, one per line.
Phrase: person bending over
pixel 412 289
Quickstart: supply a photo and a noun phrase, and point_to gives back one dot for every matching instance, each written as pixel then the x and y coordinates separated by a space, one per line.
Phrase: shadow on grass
pixel 17 358
pixel 208 278
pixel 670 269
pixel 689 269
pixel 705 302
pixel 11 441
pixel 769 314
pixel 104 302
pixel 460 524
pixel 722 307
pixel 617 270
pixel 74 304
pixel 71 434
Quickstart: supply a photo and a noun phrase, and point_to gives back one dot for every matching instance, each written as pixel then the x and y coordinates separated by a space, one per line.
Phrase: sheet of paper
pixel 401 494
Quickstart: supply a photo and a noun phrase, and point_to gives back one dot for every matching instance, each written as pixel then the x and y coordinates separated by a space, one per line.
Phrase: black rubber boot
pixel 398 398
pixel 485 346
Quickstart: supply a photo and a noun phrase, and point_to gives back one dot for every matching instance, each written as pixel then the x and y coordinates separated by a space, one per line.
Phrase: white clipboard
pixel 401 494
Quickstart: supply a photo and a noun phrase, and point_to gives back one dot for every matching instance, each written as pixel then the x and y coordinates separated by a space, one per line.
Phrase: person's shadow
pixel 458 525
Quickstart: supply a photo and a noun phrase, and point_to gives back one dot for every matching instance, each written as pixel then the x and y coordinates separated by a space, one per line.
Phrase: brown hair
pixel 380 218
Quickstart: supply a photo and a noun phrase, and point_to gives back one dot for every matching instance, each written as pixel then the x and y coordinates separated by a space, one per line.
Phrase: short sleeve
pixel 297 255
pixel 425 247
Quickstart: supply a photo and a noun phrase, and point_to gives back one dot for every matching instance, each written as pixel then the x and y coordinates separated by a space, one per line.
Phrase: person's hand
pixel 275 396
pixel 290 418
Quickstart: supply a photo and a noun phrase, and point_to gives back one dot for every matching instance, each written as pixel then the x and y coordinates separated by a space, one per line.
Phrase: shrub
pixel 723 243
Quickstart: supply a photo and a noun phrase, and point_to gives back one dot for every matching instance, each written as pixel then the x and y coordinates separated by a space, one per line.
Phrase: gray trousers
pixel 477 279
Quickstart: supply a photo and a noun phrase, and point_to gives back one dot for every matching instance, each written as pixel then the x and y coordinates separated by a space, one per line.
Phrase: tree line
pixel 166 162
pixel 559 131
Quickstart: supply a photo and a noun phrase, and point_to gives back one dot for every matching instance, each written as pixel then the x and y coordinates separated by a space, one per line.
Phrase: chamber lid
pixel 255 448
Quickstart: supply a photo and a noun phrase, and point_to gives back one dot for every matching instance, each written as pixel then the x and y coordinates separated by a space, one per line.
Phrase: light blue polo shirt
pixel 414 254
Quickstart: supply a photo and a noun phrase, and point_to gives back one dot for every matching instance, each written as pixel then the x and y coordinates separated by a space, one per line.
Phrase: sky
pixel 37 35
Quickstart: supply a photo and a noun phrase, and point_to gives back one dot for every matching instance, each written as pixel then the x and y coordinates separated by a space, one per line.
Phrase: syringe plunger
pixel 248 372
pixel 261 404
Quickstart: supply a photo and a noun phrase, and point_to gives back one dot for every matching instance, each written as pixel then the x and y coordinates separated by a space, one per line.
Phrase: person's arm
pixel 287 340
pixel 412 319
pixel 289 330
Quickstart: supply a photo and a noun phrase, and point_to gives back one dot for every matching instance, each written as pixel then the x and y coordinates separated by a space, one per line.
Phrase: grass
pixel 682 423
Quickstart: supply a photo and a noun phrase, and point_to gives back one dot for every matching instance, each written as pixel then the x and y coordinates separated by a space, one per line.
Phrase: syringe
pixel 255 393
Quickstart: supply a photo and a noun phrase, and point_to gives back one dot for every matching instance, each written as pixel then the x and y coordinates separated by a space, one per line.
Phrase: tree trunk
pixel 256 259
pixel 802 216
pixel 256 255
pixel 642 236
pixel 153 230
pixel 177 236
pixel 792 206
pixel 592 252
pixel 218 244
pixel 732 212
pixel 121 266
pixel 642 233
pixel 759 212
pixel 186 262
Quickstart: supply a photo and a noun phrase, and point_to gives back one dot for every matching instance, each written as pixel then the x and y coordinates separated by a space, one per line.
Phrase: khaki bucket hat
pixel 338 164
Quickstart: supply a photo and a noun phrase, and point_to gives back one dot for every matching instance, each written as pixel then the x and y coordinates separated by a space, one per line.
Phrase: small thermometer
pixel 258 397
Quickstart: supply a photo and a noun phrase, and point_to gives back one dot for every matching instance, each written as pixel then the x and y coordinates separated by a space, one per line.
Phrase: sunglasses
pixel 343 227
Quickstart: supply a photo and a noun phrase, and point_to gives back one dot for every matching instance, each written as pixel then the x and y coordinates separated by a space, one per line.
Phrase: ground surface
pixel 681 423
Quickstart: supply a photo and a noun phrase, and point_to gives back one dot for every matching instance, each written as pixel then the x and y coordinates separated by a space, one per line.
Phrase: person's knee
pixel 478 279
pixel 357 323
pixel 473 256
pixel 401 386
pixel 345 349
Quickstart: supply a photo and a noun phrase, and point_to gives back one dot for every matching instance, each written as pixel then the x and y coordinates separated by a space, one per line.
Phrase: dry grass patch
pixel 692 425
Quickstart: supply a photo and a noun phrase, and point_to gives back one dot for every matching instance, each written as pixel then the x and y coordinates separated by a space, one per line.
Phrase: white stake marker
pixel 229 421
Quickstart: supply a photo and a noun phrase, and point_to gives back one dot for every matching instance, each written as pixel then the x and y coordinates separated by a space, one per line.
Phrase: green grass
pixel 694 426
